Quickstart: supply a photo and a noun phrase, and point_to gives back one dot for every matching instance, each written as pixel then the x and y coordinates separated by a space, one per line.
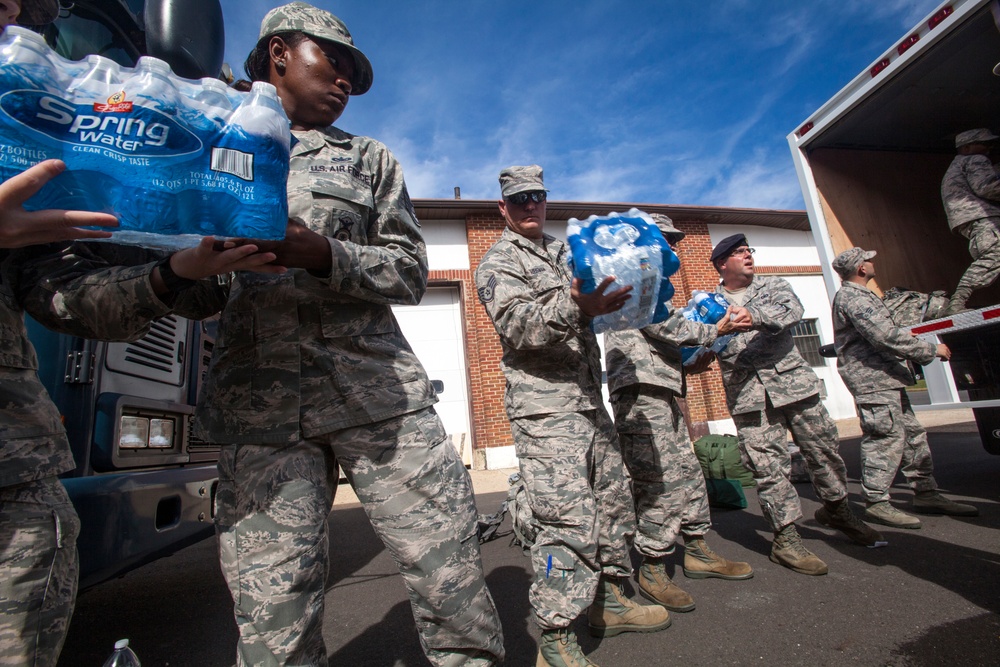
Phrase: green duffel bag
pixel 719 456
pixel 726 494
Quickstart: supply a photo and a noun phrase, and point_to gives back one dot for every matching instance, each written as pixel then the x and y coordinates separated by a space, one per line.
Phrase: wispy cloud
pixel 684 103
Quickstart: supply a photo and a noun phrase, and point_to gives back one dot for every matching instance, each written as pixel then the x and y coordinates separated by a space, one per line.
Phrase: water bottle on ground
pixel 123 656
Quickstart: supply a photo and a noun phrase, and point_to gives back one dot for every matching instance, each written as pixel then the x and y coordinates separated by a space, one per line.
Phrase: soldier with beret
pixel 970 191
pixel 311 370
pixel 871 351
pixel 645 379
pixel 566 445
pixel 85 290
pixel 770 390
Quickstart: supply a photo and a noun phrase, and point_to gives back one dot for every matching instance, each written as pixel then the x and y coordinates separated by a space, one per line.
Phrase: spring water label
pixel 631 248
pixel 115 129
pixel 174 159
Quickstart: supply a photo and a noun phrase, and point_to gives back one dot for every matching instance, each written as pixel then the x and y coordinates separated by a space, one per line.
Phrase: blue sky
pixel 665 101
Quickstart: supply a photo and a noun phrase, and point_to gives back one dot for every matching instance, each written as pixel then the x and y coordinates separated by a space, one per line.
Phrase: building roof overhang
pixel 459 209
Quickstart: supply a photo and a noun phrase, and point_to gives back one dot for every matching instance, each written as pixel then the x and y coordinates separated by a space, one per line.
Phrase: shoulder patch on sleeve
pixel 486 293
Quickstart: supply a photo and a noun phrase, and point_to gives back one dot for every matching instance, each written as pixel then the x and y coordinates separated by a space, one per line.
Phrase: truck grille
pixel 157 356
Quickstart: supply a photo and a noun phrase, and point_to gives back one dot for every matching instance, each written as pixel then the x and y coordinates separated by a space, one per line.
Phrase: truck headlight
pixel 133 433
pixel 161 433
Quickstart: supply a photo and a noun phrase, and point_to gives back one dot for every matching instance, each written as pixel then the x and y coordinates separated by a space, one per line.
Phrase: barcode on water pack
pixel 234 162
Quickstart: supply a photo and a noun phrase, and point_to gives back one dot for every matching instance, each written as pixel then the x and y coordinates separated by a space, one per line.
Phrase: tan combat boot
pixel 612 613
pixel 701 562
pixel 789 551
pixel 655 585
pixel 559 648
pixel 840 516
pixel 932 502
pixel 884 513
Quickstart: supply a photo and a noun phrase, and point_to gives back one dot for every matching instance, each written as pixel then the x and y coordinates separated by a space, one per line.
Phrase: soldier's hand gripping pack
pixel 175 159
pixel 631 248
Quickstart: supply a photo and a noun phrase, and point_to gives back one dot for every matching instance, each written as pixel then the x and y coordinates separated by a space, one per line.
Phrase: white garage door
pixel 434 330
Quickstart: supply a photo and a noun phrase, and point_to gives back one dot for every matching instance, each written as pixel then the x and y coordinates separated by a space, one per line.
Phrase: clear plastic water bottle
pixel 262 115
pixel 123 656
pixel 711 307
pixel 151 86
pixel 98 82
pixel 26 60
pixel 707 308
pixel 215 99
pixel 242 153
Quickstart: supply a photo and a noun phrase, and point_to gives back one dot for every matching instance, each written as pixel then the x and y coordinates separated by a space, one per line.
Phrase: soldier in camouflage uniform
pixel 311 369
pixel 83 290
pixel 770 389
pixel 566 445
pixel 970 191
pixel 645 378
pixel 870 354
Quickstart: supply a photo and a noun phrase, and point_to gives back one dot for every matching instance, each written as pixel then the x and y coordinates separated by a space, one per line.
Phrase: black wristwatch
pixel 173 281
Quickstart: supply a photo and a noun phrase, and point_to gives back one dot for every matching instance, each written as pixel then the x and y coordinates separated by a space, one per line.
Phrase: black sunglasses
pixel 521 198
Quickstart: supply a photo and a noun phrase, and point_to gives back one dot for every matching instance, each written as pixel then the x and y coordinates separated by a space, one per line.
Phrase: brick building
pixel 455 339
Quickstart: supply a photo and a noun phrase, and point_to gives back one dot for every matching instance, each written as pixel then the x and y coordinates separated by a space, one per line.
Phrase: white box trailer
pixel 870 162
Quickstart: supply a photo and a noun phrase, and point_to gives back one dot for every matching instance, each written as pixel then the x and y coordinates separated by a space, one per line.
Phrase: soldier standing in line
pixel 770 390
pixel 85 291
pixel 645 379
pixel 566 444
pixel 870 354
pixel 81 291
pixel 970 191
pixel 311 369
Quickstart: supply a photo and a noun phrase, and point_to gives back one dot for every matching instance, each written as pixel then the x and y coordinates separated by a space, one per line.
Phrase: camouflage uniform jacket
pixel 76 289
pixel 763 363
pixel 301 355
pixel 550 356
pixel 870 345
pixel 652 356
pixel 970 190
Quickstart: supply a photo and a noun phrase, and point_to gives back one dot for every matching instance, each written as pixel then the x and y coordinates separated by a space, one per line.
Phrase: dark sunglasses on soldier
pixel 521 198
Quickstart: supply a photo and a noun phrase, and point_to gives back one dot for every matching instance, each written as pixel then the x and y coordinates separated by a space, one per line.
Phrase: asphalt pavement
pixel 932 597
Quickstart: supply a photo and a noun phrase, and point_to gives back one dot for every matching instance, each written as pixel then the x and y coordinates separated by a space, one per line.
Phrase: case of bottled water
pixel 631 248
pixel 707 308
pixel 175 159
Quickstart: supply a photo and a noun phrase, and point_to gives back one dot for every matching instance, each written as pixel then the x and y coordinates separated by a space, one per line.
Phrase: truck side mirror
pixel 828 351
pixel 188 34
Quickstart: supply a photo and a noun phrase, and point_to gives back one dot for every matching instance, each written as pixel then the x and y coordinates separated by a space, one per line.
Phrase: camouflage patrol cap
pixel 38 12
pixel 978 136
pixel 847 262
pixel 666 225
pixel 321 24
pixel 521 179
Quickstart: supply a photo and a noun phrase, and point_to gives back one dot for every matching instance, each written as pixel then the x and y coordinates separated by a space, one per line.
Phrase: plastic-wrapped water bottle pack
pixel 707 308
pixel 175 159
pixel 631 248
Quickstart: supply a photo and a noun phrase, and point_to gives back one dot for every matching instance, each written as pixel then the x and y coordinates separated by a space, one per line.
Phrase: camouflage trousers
pixel 272 508
pixel 667 481
pixel 764 449
pixel 39 571
pixel 892 435
pixel 984 246
pixel 578 491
